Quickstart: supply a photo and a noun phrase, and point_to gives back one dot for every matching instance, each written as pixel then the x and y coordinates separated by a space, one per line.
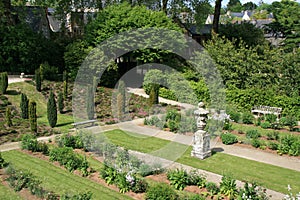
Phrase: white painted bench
pixel 92 122
pixel 258 110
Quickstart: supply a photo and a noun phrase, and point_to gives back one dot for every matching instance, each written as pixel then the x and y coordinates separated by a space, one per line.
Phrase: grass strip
pixel 64 121
pixel 8 193
pixel 269 176
pixel 59 180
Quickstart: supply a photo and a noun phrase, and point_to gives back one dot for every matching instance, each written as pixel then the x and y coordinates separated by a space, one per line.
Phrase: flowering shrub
pixel 290 195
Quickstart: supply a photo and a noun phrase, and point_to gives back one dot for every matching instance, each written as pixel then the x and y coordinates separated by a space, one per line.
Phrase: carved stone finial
pixel 201 116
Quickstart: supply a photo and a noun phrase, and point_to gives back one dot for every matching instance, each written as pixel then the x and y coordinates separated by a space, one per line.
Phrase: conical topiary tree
pixel 38 80
pixel 52 110
pixel 3 82
pixel 153 96
pixel 122 98
pixel 60 102
pixel 32 116
pixel 90 103
pixel 24 106
pixel 8 121
pixel 65 82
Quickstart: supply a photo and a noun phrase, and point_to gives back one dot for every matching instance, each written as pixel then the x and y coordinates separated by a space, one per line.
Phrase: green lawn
pixel 59 180
pixel 269 176
pixel 8 193
pixel 63 122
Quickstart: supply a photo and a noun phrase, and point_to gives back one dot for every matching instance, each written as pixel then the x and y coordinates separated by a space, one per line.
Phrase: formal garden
pixel 48 152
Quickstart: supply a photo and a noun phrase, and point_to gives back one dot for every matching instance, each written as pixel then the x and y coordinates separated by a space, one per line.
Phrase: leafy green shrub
pixel 265 125
pixel 3 163
pixel 153 76
pixel 252 191
pixel 3 82
pixel 234 115
pixel 24 106
pixel 52 110
pixel 65 85
pixel 247 118
pixel 145 170
pixel 273 135
pixel 212 188
pixel 109 174
pixel 286 143
pixel 196 179
pixel 161 191
pixel 228 138
pixel 167 93
pixel 273 145
pixel 271 118
pixel 69 159
pixel 122 183
pixel 227 125
pixel 291 122
pixel 81 196
pixel 295 149
pixel 68 140
pixel 228 187
pixel 276 125
pixel 253 134
pixel 29 142
pixel 178 178
pixel 255 143
pixel 172 114
pixel 139 186
pixel 187 124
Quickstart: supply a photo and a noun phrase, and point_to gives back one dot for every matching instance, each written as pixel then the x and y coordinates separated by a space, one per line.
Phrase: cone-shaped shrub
pixel 8 116
pixel 24 106
pixel 32 116
pixel 90 103
pixel 3 82
pixel 65 79
pixel 60 102
pixel 153 96
pixel 120 106
pixel 52 110
pixel 122 97
pixel 38 80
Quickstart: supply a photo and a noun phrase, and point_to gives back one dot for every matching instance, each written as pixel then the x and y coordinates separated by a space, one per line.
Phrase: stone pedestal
pixel 201 145
pixel 201 140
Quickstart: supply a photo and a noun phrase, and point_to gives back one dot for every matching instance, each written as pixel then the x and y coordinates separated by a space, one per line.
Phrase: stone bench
pixel 258 110
pixel 82 123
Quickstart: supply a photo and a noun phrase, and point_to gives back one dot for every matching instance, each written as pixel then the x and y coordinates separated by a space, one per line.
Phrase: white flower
pixel 289 187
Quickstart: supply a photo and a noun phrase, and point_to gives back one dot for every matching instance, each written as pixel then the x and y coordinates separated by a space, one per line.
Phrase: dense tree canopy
pixel 287 22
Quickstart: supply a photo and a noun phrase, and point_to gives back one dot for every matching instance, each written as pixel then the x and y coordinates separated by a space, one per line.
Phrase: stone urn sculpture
pixel 201 140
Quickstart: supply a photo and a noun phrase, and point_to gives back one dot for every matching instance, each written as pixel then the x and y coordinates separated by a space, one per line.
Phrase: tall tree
pixel 234 6
pixel 52 110
pixel 217 13
pixel 249 6
pixel 287 22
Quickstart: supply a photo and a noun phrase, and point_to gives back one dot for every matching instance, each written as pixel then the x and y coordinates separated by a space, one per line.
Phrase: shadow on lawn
pixel 12 92
pixel 216 150
pixel 64 124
